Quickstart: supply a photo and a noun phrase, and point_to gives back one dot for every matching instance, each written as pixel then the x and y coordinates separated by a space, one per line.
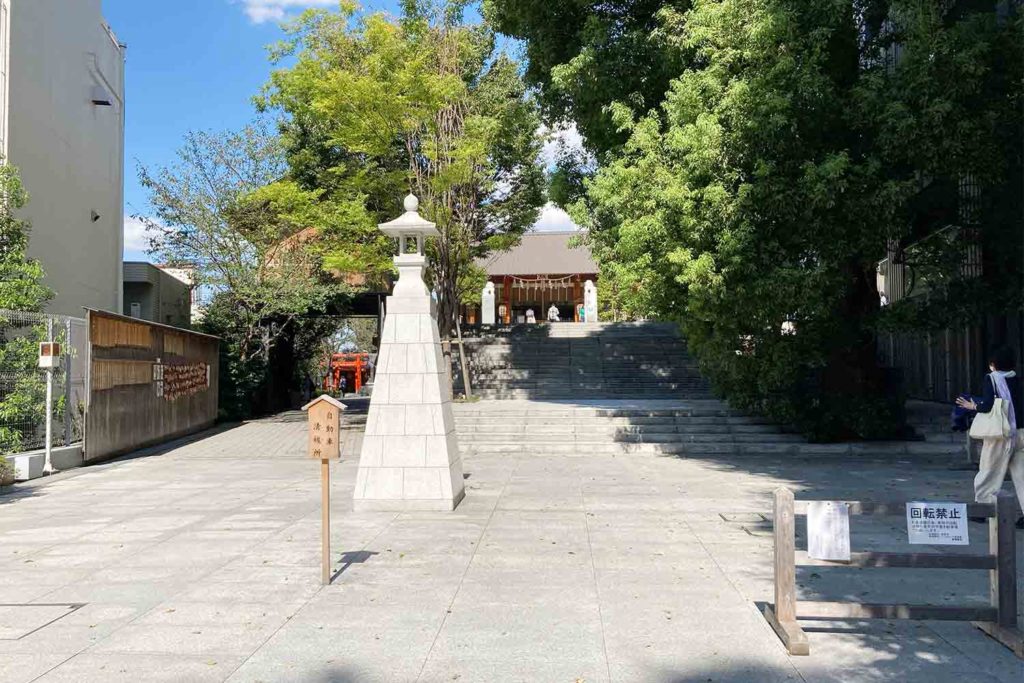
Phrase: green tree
pixel 949 122
pixel 22 406
pixel 375 107
pixel 738 209
pixel 21 278
pixel 584 54
pixel 227 209
pixel 788 152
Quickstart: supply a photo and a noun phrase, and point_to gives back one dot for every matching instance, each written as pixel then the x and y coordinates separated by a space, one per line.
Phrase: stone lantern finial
pixel 411 203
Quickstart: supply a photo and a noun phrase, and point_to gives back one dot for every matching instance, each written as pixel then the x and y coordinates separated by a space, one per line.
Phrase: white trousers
pixel 997 456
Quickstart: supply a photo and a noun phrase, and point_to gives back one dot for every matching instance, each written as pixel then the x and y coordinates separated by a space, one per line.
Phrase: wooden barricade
pixel 999 619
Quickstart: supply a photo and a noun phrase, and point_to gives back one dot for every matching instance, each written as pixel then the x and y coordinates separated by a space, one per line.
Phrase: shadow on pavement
pixel 350 558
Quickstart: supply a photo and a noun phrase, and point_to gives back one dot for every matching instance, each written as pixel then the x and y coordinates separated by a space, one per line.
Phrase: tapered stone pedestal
pixel 410 454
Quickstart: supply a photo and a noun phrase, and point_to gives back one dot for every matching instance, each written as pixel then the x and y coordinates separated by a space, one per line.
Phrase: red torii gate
pixel 354 366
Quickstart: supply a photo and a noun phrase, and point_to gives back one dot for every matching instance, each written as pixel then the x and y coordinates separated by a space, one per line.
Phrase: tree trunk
pixel 854 375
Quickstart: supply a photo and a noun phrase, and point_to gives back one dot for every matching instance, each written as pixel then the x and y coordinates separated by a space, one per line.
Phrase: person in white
pixel 553 316
pixel 531 317
pixel 1000 455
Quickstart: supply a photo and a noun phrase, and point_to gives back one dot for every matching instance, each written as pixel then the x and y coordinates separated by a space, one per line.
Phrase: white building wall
pixel 5 55
pixel 70 151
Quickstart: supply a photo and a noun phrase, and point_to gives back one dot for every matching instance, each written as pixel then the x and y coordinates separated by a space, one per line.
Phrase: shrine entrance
pixel 519 295
pixel 545 269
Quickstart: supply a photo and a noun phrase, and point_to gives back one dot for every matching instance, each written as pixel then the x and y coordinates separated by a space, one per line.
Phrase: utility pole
pixel 48 466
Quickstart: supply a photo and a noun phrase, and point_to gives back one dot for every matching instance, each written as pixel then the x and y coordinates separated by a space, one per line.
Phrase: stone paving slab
pixel 201 563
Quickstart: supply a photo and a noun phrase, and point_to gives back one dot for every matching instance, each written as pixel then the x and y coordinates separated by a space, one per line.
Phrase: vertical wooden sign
pixel 324 421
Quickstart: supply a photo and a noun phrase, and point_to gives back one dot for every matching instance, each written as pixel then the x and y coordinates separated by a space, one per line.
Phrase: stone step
pixel 572 361
pixel 551 356
pixel 699 419
pixel 592 439
pixel 572 387
pixel 540 374
pixel 472 430
pixel 624 395
pixel 707 411
pixel 525 369
pixel 860 449
pixel 569 393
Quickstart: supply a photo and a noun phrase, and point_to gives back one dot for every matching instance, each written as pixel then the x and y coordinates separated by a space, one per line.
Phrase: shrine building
pixel 543 269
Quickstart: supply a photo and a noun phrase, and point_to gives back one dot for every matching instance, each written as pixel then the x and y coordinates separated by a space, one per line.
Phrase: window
pixel 136 309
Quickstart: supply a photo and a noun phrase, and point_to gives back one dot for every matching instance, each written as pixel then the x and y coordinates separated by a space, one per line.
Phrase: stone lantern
pixel 410 456
pixel 411 231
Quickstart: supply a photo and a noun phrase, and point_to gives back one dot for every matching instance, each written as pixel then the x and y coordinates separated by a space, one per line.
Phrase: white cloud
pixel 262 11
pixel 563 137
pixel 553 219
pixel 136 237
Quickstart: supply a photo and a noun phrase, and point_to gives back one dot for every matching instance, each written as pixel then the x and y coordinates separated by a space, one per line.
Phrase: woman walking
pixel 1000 455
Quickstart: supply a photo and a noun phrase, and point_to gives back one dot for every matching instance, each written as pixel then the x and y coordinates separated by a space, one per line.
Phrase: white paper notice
pixel 937 523
pixel 828 530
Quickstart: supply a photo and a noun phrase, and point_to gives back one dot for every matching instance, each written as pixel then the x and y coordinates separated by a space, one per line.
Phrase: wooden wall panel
pixel 148 384
pixel 113 333
pixel 110 374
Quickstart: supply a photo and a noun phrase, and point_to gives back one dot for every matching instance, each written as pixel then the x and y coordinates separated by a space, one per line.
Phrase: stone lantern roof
pixel 410 223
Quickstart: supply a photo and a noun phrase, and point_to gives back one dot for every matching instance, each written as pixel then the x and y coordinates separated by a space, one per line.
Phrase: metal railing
pixel 23 383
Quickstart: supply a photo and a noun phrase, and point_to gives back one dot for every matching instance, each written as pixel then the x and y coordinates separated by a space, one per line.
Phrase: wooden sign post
pixel 324 418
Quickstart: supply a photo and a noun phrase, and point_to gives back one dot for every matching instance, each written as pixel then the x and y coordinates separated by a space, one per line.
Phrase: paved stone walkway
pixel 202 564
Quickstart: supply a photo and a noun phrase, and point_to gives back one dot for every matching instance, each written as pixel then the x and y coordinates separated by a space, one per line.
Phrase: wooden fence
pixel 939 365
pixel 998 619
pixel 147 383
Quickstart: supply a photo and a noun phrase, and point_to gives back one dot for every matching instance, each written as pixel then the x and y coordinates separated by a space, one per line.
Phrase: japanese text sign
pixel 937 523
pixel 324 416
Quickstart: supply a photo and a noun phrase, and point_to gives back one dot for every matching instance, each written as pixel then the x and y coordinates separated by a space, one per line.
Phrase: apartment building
pixel 62 125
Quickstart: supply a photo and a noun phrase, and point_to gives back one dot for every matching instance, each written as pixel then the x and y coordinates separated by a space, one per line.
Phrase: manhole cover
pixel 18 621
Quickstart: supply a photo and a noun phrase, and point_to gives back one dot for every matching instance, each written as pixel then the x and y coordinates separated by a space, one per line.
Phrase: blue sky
pixel 195 65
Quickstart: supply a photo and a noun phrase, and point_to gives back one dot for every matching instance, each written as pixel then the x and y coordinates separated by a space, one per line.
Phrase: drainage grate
pixel 18 621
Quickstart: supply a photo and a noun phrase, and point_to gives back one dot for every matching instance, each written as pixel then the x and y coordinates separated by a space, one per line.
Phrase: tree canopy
pixel 373 107
pixel 21 277
pixel 584 54
pixel 751 194
pixel 23 400
pixel 226 210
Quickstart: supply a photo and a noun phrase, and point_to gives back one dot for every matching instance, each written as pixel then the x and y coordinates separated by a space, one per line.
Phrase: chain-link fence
pixel 23 383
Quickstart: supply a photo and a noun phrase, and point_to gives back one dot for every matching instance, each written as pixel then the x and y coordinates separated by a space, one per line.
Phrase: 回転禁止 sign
pixel 937 523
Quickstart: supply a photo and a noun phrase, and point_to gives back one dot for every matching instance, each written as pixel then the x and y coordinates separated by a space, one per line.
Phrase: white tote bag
pixel 992 425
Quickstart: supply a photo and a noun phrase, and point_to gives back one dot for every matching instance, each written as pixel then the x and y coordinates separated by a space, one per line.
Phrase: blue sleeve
pixel 989 397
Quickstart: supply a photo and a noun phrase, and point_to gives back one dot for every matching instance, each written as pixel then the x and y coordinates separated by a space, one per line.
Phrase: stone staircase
pixel 628 388
pixel 571 361
pixel 693 428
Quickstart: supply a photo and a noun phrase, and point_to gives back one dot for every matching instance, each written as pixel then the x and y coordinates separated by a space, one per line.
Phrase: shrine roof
pixel 541 253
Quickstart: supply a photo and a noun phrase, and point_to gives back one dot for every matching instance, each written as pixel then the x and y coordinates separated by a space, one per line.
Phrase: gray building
pixel 62 126
pixel 152 293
